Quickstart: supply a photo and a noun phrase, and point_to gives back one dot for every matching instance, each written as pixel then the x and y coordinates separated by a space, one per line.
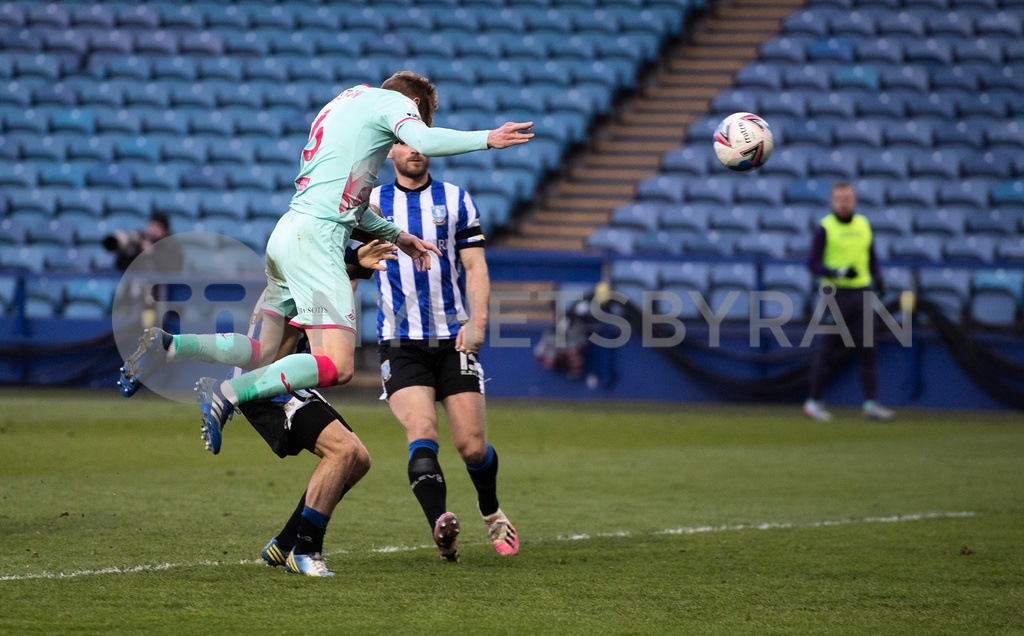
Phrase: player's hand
pixel 510 134
pixel 470 338
pixel 373 254
pixel 417 249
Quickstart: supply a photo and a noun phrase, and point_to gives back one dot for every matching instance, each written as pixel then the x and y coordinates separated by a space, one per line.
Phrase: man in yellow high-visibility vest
pixel 842 254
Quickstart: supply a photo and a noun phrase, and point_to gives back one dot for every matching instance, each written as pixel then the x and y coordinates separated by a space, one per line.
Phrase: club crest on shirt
pixel 439 214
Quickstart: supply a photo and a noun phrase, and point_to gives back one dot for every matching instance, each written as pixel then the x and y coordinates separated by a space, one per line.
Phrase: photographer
pixel 129 245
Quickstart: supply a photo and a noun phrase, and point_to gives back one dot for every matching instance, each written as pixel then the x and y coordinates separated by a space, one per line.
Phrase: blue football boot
pixel 216 408
pixel 273 556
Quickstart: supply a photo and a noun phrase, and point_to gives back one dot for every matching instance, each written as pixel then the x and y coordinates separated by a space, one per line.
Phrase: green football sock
pixel 228 348
pixel 297 371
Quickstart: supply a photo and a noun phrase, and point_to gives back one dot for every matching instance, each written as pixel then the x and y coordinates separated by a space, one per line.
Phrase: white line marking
pixel 768 525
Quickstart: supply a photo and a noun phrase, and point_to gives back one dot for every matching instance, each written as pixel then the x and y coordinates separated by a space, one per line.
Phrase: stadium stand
pixel 198 108
pixel 915 103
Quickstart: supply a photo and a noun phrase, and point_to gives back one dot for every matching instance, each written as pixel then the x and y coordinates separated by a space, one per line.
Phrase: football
pixel 743 141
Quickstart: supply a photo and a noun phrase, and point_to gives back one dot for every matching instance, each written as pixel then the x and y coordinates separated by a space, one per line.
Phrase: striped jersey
pixel 426 305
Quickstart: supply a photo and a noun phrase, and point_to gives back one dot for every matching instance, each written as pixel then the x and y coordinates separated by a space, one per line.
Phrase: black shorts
pixel 292 422
pixel 415 363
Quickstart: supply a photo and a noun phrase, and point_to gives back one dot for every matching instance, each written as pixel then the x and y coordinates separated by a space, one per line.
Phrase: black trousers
pixel 850 303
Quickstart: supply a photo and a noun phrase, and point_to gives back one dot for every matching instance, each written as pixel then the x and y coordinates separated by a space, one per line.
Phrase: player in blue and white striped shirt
pixel 430 325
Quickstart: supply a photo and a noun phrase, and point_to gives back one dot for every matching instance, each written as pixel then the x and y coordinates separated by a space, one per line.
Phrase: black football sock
pixel 287 537
pixel 312 526
pixel 426 479
pixel 485 478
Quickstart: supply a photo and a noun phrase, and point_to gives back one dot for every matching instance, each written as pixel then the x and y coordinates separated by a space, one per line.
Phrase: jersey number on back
pixel 317 132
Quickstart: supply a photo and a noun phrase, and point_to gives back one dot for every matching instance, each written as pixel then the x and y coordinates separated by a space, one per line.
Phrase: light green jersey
pixel 348 143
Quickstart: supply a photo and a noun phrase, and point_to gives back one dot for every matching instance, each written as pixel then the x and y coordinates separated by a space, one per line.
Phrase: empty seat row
pixel 905 102
pixel 728 189
pixel 853 161
pixel 223 20
pixel 801 219
pixel 894 50
pixel 880 77
pixel 917 22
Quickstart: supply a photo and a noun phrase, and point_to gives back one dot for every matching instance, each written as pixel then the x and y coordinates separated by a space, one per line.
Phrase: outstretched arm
pixel 440 142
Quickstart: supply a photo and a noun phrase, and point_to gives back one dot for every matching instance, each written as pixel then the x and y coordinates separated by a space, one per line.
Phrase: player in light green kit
pixel 307 285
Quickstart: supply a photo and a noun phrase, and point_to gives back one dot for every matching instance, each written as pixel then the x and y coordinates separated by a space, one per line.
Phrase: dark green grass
pixel 89 482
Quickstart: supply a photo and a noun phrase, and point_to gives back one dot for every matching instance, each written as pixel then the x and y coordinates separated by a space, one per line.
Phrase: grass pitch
pixel 633 518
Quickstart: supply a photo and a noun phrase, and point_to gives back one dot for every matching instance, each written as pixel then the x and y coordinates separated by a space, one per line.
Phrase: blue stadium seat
pixel 110 176
pixel 688 275
pixel 928 248
pixel 687 218
pixel 838 164
pixel 852 24
pixel 969 193
pixel 179 67
pixel 910 133
pixel 717 190
pixel 787 162
pixel 787 103
pixel 979 50
pixel 913 78
pixel 710 244
pixel 956 24
pixel 616 240
pixel 64 175
pixel 189 150
pixel 48 149
pixel 939 164
pixel 881 50
pixel 916 192
pixel 204 178
pixel 806 22
pixel 859 77
pixel 807 76
pixel 882 107
pixel 1004 23
pixel 766 76
pixel 268 207
pixel 923 105
pixel 997 298
pixel 955 78
pixel 997 223
pixel 890 222
pixel 1011 251
pixel 23 258
pixel 949 288
pixel 735 220
pixel 1005 134
pixel 975 249
pixel 162 177
pixel 662 187
pixel 229 205
pixel 815 191
pixel 1008 192
pixel 764 244
pixel 789 219
pixel 639 215
pixel 942 222
pixel 688 160
pixel 18 176
pixel 640 273
pixel 31 121
pixel 887 164
pixel 84 204
pixel 252 178
pixel 831 50
pixel 785 50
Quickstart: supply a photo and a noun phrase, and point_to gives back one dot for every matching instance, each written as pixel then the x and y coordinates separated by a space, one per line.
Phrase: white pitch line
pixel 768 525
